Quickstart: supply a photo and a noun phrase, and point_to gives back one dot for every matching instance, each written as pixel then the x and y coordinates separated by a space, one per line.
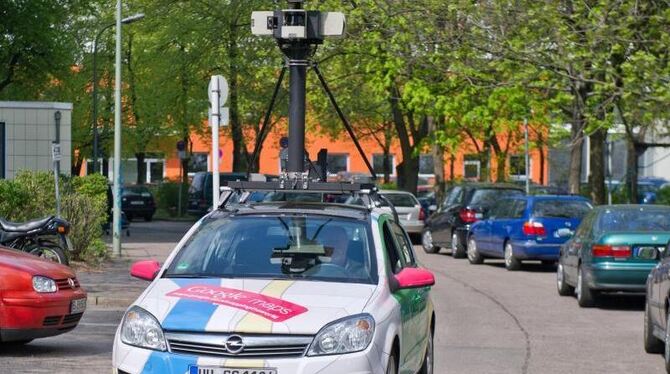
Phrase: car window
pixel 584 229
pixel 134 191
pixel 502 209
pixel 635 219
pixel 392 251
pixel 488 196
pixel 283 247
pixel 400 200
pixel 197 183
pixel 455 197
pixel 404 245
pixel 518 209
pixel 560 208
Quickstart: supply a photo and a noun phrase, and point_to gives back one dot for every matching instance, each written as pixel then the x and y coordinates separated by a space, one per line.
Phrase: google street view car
pixel 283 288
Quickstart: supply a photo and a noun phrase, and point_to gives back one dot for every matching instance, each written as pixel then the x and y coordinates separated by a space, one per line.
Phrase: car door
pixel 501 226
pixel 443 220
pixel 484 230
pixel 660 288
pixel 573 248
pixel 419 300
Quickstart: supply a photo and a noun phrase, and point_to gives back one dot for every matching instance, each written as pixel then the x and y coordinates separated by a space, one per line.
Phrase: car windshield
pixel 400 200
pixel 488 196
pixel 560 208
pixel 136 191
pixel 283 247
pixel 642 219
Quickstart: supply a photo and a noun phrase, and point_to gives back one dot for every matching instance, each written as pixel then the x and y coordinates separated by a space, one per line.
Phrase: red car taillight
pixel 616 251
pixel 422 215
pixel 534 229
pixel 468 215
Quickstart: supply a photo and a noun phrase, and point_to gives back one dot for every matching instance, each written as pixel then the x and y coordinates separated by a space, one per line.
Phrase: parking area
pixel 489 320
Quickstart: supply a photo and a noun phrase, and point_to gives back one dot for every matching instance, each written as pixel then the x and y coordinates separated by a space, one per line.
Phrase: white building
pixel 27 131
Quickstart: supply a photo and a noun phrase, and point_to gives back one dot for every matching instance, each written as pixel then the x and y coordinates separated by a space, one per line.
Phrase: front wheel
pixel 428 363
pixel 651 343
pixel 51 253
pixel 392 366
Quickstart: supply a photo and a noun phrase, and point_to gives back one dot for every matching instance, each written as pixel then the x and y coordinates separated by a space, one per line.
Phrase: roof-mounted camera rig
pixel 298 33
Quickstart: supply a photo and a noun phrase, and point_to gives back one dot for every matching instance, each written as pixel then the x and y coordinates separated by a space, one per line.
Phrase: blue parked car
pixel 526 228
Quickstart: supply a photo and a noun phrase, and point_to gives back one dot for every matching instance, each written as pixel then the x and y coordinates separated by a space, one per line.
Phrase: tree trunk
pixel 76 167
pixel 141 168
pixel 452 160
pixel 387 165
pixel 239 146
pixel 597 157
pixel 438 159
pixel 540 148
pixel 576 142
pixel 632 170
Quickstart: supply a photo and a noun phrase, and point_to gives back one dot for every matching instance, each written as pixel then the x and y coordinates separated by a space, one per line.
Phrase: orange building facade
pixel 343 157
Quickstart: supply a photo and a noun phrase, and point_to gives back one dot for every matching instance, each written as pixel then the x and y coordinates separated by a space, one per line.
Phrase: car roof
pixel 282 207
pixel 632 206
pixel 399 192
pixel 555 197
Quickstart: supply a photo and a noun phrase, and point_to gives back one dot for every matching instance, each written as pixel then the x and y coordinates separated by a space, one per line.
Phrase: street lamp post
pixel 124 21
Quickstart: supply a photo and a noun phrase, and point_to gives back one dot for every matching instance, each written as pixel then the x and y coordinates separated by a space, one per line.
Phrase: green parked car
pixel 613 250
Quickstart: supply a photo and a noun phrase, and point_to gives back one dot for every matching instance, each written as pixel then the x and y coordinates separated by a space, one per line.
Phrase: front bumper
pixel 532 250
pixel 614 276
pixel 134 360
pixel 35 315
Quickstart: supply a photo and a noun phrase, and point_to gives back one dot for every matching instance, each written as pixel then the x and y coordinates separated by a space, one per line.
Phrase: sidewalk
pixel 111 285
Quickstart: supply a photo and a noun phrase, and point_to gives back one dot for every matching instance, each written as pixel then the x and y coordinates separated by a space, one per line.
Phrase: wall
pixel 29 131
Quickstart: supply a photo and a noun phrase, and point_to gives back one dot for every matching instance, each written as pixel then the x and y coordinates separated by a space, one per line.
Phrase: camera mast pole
pixel 297 54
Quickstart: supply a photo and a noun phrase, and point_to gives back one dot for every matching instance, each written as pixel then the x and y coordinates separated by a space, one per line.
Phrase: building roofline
pixel 35 105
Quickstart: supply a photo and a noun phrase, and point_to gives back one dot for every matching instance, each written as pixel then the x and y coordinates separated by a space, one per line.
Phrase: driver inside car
pixel 343 252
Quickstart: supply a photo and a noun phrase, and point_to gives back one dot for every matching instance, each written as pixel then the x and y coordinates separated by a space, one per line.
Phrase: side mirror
pixel 565 233
pixel 414 278
pixel 145 270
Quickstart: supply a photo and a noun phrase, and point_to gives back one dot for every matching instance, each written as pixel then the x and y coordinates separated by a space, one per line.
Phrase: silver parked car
pixel 409 210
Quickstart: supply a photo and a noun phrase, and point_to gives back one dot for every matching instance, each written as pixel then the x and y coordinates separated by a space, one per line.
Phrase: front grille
pixel 64 284
pixel 255 346
pixel 51 321
pixel 72 318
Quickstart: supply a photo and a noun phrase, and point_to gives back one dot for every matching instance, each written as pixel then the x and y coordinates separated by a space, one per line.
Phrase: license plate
pixel 77 306
pixel 137 203
pixel 646 253
pixel 215 370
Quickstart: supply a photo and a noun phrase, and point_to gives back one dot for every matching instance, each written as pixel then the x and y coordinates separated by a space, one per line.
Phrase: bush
pixel 663 196
pixel 166 196
pixel 31 195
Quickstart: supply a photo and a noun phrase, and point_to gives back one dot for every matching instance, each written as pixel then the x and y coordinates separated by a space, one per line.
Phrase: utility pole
pixel 116 216
pixel 218 95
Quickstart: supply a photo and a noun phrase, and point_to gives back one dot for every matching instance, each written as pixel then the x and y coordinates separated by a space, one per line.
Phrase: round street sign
pixel 223 88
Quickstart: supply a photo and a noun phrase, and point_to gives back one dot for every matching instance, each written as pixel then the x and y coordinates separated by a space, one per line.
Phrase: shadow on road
pixel 41 348
pixel 622 302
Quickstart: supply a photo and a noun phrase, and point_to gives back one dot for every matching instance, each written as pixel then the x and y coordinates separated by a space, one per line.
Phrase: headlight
pixel 348 335
pixel 141 329
pixel 44 284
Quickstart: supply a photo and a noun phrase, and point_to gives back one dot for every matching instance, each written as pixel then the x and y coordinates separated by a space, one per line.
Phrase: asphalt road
pixel 489 321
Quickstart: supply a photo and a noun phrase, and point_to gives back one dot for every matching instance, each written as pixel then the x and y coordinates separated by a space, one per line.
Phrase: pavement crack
pixel 524 368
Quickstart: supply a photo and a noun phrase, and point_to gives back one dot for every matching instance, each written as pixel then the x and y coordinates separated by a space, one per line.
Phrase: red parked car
pixel 38 298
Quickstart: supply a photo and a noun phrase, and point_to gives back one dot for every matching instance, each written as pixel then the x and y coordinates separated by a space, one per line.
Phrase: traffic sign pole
pixel 218 94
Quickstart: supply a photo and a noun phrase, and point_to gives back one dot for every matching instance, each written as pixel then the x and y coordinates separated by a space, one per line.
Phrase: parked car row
pixel 597 250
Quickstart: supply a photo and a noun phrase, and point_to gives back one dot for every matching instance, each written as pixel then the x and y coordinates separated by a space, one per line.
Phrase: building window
pixel 472 167
pixel 338 162
pixel 517 167
pixel 378 163
pixel 198 162
pixel 426 165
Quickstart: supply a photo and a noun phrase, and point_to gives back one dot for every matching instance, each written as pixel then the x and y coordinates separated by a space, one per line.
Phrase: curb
pixel 109 302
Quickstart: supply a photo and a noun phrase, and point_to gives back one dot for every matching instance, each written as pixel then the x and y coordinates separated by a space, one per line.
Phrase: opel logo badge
pixel 234 344
pixel 70 281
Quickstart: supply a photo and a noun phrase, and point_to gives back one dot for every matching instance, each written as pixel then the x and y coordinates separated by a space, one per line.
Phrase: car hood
pixel 258 306
pixel 21 261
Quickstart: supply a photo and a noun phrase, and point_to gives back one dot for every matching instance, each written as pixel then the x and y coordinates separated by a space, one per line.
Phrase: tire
pixel 148 217
pixel 51 253
pixel 427 242
pixel 651 343
pixel 511 263
pixel 666 354
pixel 428 359
pixel 474 257
pixel 392 365
pixel 564 289
pixel 586 297
pixel 457 250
